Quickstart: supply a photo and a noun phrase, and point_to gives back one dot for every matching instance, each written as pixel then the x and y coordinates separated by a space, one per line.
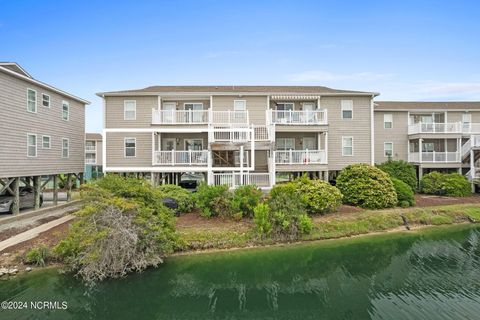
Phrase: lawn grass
pixel 334 226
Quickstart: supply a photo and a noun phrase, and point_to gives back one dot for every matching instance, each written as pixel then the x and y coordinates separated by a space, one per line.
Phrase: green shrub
pixel 452 185
pixel 456 185
pixel 38 256
pixel 405 194
pixel 286 214
pixel 183 197
pixel 401 170
pixel 113 235
pixel 431 183
pixel 245 199
pixel 366 186
pixel 213 200
pixel 318 196
pixel 262 219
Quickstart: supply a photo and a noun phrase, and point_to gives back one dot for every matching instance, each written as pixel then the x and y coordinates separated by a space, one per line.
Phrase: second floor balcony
pixel 303 157
pixel 199 117
pixel 181 158
pixel 297 117
pixel 434 157
pixel 420 127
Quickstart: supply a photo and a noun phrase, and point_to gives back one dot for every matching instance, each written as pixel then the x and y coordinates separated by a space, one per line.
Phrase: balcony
pixel 292 117
pixel 434 157
pixel 182 158
pixel 90 161
pixel 90 148
pixel 228 117
pixel 185 117
pixel 304 157
pixel 454 127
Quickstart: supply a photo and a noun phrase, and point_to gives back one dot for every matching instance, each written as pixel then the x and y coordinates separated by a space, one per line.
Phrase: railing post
pixel 307 159
pixel 173 157
pixel 291 156
pixel 189 156
pixel 434 159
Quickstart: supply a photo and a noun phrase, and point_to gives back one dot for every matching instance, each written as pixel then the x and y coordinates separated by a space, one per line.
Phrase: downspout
pixel 372 133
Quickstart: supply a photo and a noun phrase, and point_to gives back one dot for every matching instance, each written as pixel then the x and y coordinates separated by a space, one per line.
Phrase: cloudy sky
pixel 406 50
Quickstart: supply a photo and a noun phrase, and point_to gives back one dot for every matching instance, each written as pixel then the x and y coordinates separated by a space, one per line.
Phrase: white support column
pixel 241 165
pixel 326 147
pixel 153 148
pixel 420 152
pixel 372 132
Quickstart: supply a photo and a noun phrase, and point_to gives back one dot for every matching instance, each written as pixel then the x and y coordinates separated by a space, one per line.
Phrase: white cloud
pixel 320 75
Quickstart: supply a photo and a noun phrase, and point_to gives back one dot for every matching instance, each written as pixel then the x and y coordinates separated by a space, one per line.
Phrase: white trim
pixel 158 168
pixel 134 110
pixel 125 147
pixel 28 100
pixel 16 74
pixel 68 148
pixel 49 100
pixel 384 149
pixel 66 103
pixel 49 142
pixel 15 64
pixel 344 107
pixel 230 93
pixel 372 132
pixel 36 145
pixel 159 129
pixel 104 150
pixel 343 146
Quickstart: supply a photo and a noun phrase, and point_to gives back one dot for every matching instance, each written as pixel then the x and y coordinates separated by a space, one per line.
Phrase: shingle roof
pixel 236 89
pixel 426 105
pixel 93 136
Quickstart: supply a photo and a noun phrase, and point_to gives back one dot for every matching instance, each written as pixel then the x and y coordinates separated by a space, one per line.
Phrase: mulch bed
pixel 425 200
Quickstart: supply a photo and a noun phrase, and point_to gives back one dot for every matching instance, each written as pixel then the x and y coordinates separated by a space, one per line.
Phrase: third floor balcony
pixel 297 117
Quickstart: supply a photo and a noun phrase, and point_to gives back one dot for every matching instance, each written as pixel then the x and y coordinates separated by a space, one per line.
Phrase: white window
pixel 240 105
pixel 129 110
pixel 65 110
pixel 388 149
pixel 466 121
pixel 65 148
pixel 130 147
pixel 347 146
pixel 31 145
pixel 45 100
pixel 347 109
pixel 388 121
pixel 31 100
pixel 285 143
pixel 195 112
pixel 46 142
pixel 90 145
pixel 428 147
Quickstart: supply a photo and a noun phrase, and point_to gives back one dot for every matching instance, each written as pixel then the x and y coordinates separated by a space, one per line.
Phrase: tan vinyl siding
pixel 256 106
pixel 99 153
pixel 114 117
pixel 261 160
pixel 456 116
pixel 358 128
pixel 17 122
pixel 116 151
pixel 397 135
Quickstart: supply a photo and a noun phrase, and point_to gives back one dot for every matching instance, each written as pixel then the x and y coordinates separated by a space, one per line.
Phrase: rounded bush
pixel 245 199
pixel 366 186
pixel 183 197
pixel 404 193
pixel 318 196
pixel 452 185
pixel 213 200
pixel 401 170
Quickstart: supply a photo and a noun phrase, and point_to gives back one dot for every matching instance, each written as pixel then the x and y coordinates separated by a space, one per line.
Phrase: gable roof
pixel 156 90
pixel 15 70
pixel 425 105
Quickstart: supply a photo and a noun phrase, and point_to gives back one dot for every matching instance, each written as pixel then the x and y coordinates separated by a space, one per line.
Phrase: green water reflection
pixel 430 275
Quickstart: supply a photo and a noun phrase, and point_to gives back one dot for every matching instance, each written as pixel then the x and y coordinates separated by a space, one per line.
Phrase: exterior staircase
pixel 470 154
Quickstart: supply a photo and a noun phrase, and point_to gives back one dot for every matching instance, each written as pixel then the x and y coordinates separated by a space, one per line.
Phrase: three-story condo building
pixel 236 135
pixel 42 135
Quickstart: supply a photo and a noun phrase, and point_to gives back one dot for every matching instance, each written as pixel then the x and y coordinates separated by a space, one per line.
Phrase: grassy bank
pixel 331 226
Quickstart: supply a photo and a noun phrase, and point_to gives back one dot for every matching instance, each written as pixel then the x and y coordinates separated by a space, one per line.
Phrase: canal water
pixel 432 274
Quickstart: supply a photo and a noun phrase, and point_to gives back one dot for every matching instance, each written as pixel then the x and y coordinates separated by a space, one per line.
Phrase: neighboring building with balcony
pixel 93 156
pixel 236 134
pixel 441 136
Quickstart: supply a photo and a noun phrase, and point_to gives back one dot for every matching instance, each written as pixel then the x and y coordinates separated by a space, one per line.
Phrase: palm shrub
pixel 401 170
pixel 245 199
pixel 183 197
pixel 452 185
pixel 283 216
pixel 213 200
pixel 38 256
pixel 405 194
pixel 366 186
pixel 318 196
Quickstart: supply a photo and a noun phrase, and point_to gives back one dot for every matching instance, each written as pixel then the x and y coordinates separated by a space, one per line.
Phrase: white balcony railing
pixel 292 117
pixel 262 133
pixel 434 157
pixel 90 161
pixel 300 157
pixel 228 117
pixel 190 157
pixel 90 148
pixel 233 179
pixel 231 134
pixel 454 127
pixel 179 116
